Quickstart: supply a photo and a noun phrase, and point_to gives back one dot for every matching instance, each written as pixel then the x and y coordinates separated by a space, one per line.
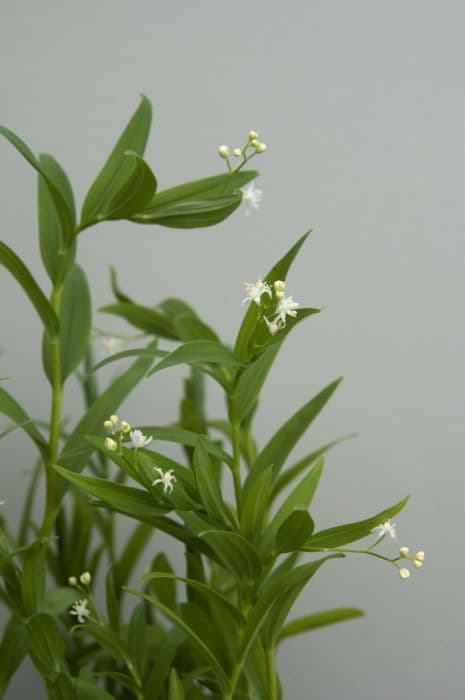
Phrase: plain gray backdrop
pixel 362 106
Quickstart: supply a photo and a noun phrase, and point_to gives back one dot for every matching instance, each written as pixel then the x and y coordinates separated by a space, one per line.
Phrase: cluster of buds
pixel 118 430
pixel 252 146
pixel 84 578
pixel 416 559
pixel 279 305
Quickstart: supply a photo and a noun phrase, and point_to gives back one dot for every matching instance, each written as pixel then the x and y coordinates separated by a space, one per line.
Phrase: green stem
pixel 236 466
pixel 271 664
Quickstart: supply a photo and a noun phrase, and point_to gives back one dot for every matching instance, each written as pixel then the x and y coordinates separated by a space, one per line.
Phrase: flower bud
pixel 253 135
pixel 403 551
pixel 72 581
pixel 114 419
pixel 261 148
pixel 279 287
pixel 254 143
pixel 85 578
pixel 125 427
pixel 420 556
pixel 404 573
pixel 237 152
pixel 223 151
pixel 417 563
pixel 111 444
pixel 108 425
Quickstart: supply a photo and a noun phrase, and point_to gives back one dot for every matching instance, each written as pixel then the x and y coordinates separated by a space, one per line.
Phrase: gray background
pixel 362 107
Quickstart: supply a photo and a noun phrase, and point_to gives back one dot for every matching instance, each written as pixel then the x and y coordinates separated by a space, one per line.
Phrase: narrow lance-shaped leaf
pixel 194 352
pixel 105 191
pixel 12 409
pixel 251 382
pixel 147 319
pixel 317 620
pixel 294 531
pixel 12 651
pixel 208 484
pixel 18 269
pixel 344 534
pixel 175 691
pixel 33 579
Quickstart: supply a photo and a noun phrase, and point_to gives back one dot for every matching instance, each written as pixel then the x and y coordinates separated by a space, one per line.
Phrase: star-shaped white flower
pixel 112 345
pixel 386 528
pixel 138 438
pixel 275 325
pixel 255 290
pixel 252 196
pixel 166 478
pixel 287 307
pixel 80 610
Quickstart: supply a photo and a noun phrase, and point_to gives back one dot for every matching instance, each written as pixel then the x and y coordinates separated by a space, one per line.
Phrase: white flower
pixel 166 478
pixel 80 610
pixel 404 573
pixel 112 345
pixel 252 197
pixel 384 529
pixel 138 438
pixel 255 290
pixel 275 325
pixel 111 444
pixel 2 503
pixel 287 307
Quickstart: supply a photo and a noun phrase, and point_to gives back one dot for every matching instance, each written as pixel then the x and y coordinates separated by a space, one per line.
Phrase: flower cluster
pixel 79 608
pixel 278 305
pixel 252 146
pixel 118 430
pixel 416 559
pixel 84 578
pixel 388 528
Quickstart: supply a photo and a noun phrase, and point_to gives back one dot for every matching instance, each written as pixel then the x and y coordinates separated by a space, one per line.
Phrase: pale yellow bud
pixel 108 425
pixel 111 444
pixel 223 151
pixel 404 573
pixel 261 148
pixel 255 143
pixel 403 551
pixel 253 135
pixel 72 581
pixel 420 556
pixel 125 427
pixel 114 419
pixel 279 287
pixel 85 578
pixel 237 152
pixel 417 563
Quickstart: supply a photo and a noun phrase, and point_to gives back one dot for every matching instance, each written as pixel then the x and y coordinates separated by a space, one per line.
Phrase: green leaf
pixel 282 442
pixel 12 652
pixel 189 327
pixel 344 534
pixel 175 691
pixel 53 226
pixel 33 580
pixel 206 475
pixel 251 382
pixel 57 600
pixel 249 323
pixel 77 451
pixel 85 690
pixel 111 600
pixel 143 317
pixel 194 352
pixel 191 213
pixel 317 620
pixel 116 289
pixel 11 408
pixel 61 688
pixel 134 547
pixel 137 641
pixel 290 474
pixel 299 499
pixel 162 582
pixel 185 437
pixel 199 645
pixel 165 659
pixel 57 189
pixel 124 499
pixel 18 269
pixel 106 638
pixel 75 324
pixel 294 531
pixel 234 552
pixel 134 352
pixel 46 645
pixel 255 506
pixel 107 193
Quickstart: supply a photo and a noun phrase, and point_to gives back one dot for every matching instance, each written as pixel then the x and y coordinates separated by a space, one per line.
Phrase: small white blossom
pixel 223 151
pixel 420 556
pixel 80 610
pixel 404 573
pixel 112 345
pixel 287 307
pixel 2 503
pixel 166 478
pixel 275 325
pixel 404 552
pixel 384 529
pixel 255 290
pixel 85 578
pixel 252 196
pixel 138 438
pixel 417 563
pixel 111 444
